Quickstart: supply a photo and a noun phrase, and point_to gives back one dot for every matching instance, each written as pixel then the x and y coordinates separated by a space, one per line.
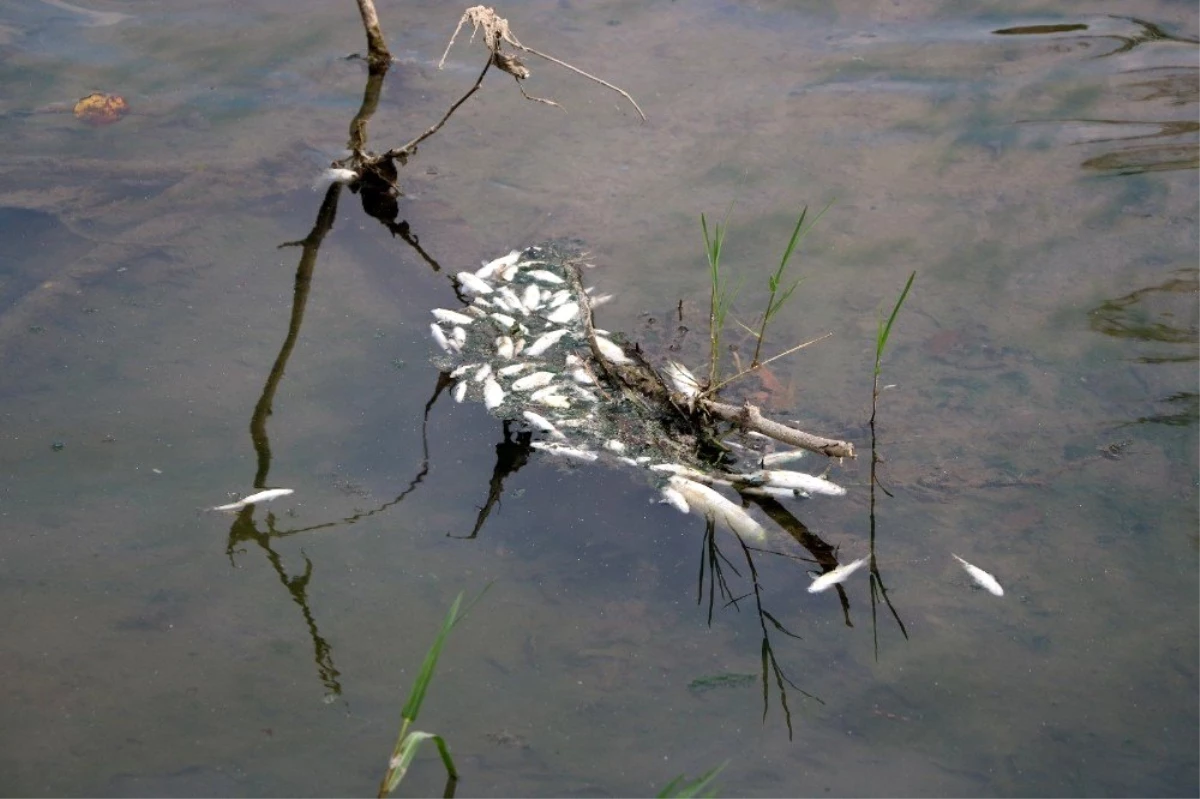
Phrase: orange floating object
pixel 101 109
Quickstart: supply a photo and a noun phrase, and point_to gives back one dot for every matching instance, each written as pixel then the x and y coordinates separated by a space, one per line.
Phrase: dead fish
pixel 532 297
pixel 780 458
pixel 539 422
pixel 472 284
pixel 483 373
pixel 506 321
pixel 984 579
pixel 564 313
pixel 462 370
pixel 535 380
pixel 440 337
pixel 452 317
pixel 682 379
pixel 544 276
pixel 458 338
pixel 566 452
pixel 513 300
pixel 673 498
pixel 509 371
pixel 798 481
pixel 611 351
pixel 261 496
pixel 460 391
pixel 544 342
pixel 836 576
pixel 492 267
pixel 504 347
pixel 718 508
pixel 559 298
pixel 493 395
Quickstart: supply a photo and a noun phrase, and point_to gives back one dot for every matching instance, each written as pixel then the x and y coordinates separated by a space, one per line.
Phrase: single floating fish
pixel 836 576
pixel 261 496
pixel 984 579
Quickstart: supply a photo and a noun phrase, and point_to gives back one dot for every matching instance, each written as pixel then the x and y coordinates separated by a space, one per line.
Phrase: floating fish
pixel 611 351
pixel 780 458
pixel 798 481
pixel 440 337
pixel 670 496
pixel 544 276
pixel 984 579
pixel 261 496
pixel 836 576
pixel 532 298
pixel 535 380
pixel 564 313
pixel 545 342
pixel 493 395
pixel 718 508
pixel 503 262
pixel 460 392
pixel 509 371
pixel 682 379
pixel 472 284
pixel 539 422
pixel 505 320
pixel 452 317
pixel 483 373
pixel 566 452
pixel 505 347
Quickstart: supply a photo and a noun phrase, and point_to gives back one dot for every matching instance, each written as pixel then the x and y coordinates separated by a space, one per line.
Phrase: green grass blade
pixel 413 706
pixel 398 767
pixel 885 330
pixel 678 787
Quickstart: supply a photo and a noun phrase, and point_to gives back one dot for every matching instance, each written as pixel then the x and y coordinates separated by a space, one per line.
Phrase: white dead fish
pixel 484 373
pixel 513 300
pixel 518 345
pixel 582 376
pixel 799 481
pixel 550 397
pixel 440 337
pixel 559 298
pixel 334 175
pixel 614 445
pixel 532 297
pixel 836 576
pixel 718 508
pixel 506 321
pixel 458 337
pixel 544 342
pixel 493 395
pixel 984 579
pixel 780 458
pixel 772 491
pixel 462 370
pixel 611 351
pixel 544 276
pixel 539 422
pixel 504 347
pixel 673 498
pixel 261 496
pixel 602 299
pixel 492 267
pixel 452 317
pixel 512 369
pixel 472 284
pixel 566 452
pixel 460 391
pixel 535 380
pixel 682 379
pixel 564 313
pixel 687 471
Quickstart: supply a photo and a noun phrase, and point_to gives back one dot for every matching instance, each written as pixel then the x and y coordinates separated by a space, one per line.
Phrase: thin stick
pixel 407 149
pixel 756 366
pixel 749 417
pixel 589 76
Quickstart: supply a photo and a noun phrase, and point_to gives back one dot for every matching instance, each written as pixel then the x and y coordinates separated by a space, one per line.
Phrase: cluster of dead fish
pixel 520 346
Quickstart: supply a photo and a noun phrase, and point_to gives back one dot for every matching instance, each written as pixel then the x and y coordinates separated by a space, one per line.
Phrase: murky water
pixel 1037 170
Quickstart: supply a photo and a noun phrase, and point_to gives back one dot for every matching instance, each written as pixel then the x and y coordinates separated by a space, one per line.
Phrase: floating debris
pixel 985 580
pixel 598 399
pixel 836 576
pixel 261 496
